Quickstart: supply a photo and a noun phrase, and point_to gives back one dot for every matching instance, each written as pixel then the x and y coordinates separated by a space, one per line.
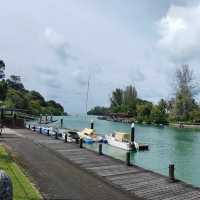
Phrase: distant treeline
pixel 13 95
pixel 182 107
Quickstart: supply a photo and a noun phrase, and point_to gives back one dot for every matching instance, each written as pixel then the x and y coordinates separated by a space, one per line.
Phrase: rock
pixel 6 188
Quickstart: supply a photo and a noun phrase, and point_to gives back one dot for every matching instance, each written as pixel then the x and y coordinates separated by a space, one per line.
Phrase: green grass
pixel 22 187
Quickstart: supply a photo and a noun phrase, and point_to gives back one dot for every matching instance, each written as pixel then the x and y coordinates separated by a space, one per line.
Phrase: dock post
pixel 29 126
pixel 65 137
pixel 48 132
pixel 34 128
pixel 56 135
pixel 128 158
pixel 81 143
pixel 132 132
pixel 40 130
pixel 92 124
pixel 61 123
pixel 171 172
pixel 100 149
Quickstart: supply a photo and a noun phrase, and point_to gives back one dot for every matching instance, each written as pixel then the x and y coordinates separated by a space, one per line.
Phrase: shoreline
pixel 180 125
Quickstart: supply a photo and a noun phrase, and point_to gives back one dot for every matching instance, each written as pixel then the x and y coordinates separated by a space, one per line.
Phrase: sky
pixel 56 46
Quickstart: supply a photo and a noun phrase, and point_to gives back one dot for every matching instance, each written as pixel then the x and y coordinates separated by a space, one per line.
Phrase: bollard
pixel 56 135
pixel 34 128
pixel 132 132
pixel 29 126
pixel 48 132
pixel 171 172
pixel 81 143
pixel 128 158
pixel 65 137
pixel 61 123
pixel 92 124
pixel 40 130
pixel 100 149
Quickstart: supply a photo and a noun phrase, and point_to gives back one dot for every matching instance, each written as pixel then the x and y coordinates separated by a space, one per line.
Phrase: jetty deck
pixel 133 181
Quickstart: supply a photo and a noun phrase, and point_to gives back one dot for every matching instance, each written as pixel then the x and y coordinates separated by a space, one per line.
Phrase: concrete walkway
pixel 56 177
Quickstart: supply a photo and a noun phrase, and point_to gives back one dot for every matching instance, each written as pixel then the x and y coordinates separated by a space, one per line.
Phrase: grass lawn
pixel 22 187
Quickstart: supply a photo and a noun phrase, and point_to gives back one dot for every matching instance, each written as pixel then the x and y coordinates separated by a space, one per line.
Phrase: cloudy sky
pixel 56 45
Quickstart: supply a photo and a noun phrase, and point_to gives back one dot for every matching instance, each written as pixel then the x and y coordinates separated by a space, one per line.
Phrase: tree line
pixel 181 107
pixel 13 95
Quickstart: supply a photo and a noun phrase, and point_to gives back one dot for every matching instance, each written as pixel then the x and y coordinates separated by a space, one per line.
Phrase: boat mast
pixel 87 94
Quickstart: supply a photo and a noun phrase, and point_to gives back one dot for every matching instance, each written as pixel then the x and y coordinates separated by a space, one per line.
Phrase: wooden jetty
pixel 131 179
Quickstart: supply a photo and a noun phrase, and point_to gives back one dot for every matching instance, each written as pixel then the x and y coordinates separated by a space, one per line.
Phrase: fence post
pixel 100 149
pixel 171 172
pixel 128 158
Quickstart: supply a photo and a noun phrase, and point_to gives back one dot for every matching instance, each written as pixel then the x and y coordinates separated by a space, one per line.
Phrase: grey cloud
pixel 57 42
pixel 46 70
pixel 179 33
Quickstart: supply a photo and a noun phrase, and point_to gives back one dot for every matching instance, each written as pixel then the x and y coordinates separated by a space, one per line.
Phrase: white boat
pixel 121 140
pixel 90 134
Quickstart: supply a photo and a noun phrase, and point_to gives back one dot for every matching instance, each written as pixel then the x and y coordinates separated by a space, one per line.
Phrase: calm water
pixel 167 145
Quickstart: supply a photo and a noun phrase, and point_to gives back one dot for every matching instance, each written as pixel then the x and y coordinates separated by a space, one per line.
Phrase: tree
pixel 130 95
pixel 3 90
pixel 2 69
pixel 185 92
pixel 159 114
pixel 34 95
pixel 15 82
pixel 144 112
pixel 117 98
pixel 16 100
pixel 130 99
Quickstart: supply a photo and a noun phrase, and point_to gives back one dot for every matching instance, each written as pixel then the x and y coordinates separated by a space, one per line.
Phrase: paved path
pixel 74 173
pixel 57 178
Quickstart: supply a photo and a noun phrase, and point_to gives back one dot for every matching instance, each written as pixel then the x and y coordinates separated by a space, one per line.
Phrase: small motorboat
pixel 88 134
pixel 121 140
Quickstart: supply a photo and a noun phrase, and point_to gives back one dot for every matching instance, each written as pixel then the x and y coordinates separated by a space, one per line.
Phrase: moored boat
pixel 123 140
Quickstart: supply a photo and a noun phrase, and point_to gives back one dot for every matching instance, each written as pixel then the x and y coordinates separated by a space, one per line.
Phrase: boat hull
pixel 122 145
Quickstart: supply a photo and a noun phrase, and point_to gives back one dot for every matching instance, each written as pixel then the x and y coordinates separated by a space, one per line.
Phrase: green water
pixel 167 145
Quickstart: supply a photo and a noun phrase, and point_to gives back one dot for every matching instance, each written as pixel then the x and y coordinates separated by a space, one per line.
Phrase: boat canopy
pixel 120 136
